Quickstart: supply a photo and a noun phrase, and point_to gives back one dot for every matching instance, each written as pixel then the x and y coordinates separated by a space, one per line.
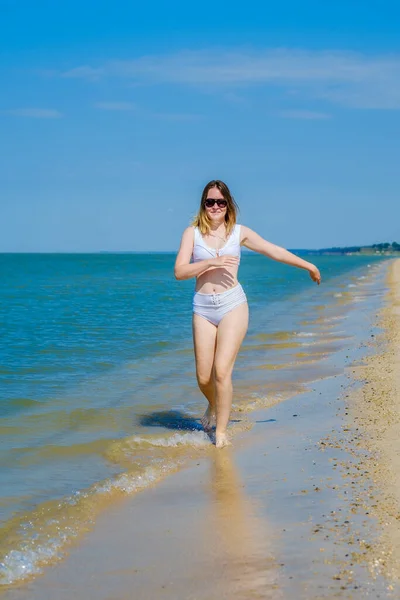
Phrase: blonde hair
pixel 202 220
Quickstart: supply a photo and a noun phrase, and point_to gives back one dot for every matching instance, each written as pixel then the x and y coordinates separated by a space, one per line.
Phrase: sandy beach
pixel 377 410
pixel 303 506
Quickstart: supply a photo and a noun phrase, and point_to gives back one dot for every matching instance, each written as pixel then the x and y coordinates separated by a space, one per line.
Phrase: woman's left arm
pixel 250 239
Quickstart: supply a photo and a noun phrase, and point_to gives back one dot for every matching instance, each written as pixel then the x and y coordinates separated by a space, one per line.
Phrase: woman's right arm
pixel 185 270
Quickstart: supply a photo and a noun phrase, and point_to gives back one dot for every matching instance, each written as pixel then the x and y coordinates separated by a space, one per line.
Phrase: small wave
pixel 23 402
pixel 339 295
pixel 256 402
pixel 44 542
pixel 331 319
pixel 306 334
pixel 20 564
pixel 13 405
pixel 351 285
pixel 194 438
pixel 362 277
pixel 129 485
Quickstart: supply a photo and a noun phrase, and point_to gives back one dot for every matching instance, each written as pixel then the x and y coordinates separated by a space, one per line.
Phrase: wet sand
pixel 296 509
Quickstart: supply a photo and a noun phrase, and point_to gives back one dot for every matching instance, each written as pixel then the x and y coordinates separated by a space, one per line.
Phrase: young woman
pixel 220 311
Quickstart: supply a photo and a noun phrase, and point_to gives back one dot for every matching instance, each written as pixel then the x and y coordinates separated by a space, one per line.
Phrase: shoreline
pixel 378 409
pixel 273 517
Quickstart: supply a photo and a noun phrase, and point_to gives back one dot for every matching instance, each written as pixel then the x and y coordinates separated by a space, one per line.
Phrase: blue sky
pixel 113 116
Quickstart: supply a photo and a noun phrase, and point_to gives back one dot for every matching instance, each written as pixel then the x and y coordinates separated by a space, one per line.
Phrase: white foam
pixel 352 285
pixel 339 295
pixel 19 564
pixel 306 334
pixel 337 318
pixel 130 484
pixel 192 438
pixel 31 555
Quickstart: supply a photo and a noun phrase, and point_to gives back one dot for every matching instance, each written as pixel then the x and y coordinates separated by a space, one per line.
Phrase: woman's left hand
pixel 315 274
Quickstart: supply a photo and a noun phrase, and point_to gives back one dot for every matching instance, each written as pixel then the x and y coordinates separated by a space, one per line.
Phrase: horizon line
pixel 245 250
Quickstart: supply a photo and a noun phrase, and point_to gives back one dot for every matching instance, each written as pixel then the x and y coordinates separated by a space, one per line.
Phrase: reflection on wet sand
pixel 242 541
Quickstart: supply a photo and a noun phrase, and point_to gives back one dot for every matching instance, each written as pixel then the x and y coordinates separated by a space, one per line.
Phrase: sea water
pixel 98 396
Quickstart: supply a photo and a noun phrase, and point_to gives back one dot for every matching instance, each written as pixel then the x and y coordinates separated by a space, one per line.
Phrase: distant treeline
pixel 385 247
pixel 342 250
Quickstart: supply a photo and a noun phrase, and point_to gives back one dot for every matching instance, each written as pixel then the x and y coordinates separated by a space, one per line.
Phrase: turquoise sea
pixel 98 397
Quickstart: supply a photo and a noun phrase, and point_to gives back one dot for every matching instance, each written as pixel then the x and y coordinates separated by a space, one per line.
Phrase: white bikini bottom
pixel 214 307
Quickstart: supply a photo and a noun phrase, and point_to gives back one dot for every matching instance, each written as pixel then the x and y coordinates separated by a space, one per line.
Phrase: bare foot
pixel 208 419
pixel 221 440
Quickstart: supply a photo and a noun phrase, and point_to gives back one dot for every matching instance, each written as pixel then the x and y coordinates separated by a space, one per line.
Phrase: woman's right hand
pixel 227 260
pixel 315 274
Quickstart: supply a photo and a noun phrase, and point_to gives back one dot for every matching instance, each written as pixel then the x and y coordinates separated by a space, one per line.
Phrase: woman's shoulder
pixel 190 232
pixel 238 228
pixel 242 232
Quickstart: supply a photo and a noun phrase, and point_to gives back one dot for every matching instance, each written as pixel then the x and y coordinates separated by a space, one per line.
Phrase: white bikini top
pixel 201 251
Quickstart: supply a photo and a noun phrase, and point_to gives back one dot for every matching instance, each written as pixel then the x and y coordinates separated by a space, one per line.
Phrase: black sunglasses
pixel 209 202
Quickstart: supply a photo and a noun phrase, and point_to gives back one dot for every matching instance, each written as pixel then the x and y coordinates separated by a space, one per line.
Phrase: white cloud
pixel 34 113
pixel 347 78
pixel 309 115
pixel 118 106
pixel 369 95
pixel 84 72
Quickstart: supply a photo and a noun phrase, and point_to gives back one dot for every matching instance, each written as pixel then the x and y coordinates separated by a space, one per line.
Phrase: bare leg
pixel 204 338
pixel 230 335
